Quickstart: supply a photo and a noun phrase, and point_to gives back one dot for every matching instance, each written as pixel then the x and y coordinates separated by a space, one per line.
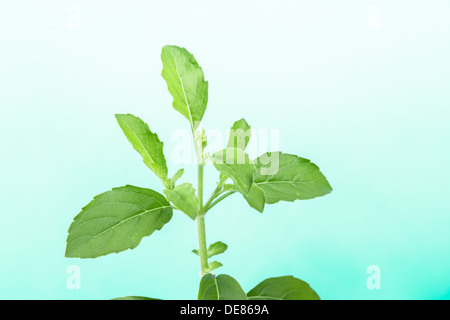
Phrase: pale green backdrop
pixel 359 87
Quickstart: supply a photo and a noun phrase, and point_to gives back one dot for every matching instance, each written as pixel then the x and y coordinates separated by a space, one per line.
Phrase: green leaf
pixel 221 287
pixel 175 178
pixel 256 198
pixel 146 143
pixel 282 288
pixel 200 136
pixel 240 134
pixel 235 163
pixel 214 249
pixel 184 198
pixel 286 177
pixel 213 266
pixel 186 83
pixel 134 298
pixel 115 221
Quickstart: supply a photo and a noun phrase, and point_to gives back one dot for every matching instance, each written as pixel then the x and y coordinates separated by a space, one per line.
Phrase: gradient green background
pixel 370 107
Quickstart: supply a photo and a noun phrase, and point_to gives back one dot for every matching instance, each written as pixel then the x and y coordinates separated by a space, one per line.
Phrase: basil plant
pixel 118 219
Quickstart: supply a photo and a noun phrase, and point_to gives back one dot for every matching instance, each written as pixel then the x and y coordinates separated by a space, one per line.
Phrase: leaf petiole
pixel 219 199
pixel 217 192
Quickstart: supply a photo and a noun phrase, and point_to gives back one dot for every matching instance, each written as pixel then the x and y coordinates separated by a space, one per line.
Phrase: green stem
pixel 229 193
pixel 200 186
pixel 214 195
pixel 202 251
pixel 217 192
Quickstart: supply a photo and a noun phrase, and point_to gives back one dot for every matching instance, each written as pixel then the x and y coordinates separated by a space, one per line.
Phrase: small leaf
pixel 134 298
pixel 184 198
pixel 240 134
pixel 214 249
pixel 221 287
pixel 235 163
pixel 115 221
pixel 239 137
pixel 286 177
pixel 213 266
pixel 146 143
pixel 186 83
pixel 175 178
pixel 200 143
pixel 200 136
pixel 282 288
pixel 256 198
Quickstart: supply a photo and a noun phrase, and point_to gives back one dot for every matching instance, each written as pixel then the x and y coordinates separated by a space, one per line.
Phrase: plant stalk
pixel 202 244
pixel 217 200
pixel 201 231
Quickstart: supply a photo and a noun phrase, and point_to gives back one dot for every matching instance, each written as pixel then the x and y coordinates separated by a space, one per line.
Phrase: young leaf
pixel 256 198
pixel 221 287
pixel 214 249
pixel 186 83
pixel 184 198
pixel 286 177
pixel 175 178
pixel 213 266
pixel 235 163
pixel 282 288
pixel 115 221
pixel 200 136
pixel 146 143
pixel 200 143
pixel 240 134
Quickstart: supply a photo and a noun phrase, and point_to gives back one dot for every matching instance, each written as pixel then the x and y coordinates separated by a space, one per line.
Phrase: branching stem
pixel 226 194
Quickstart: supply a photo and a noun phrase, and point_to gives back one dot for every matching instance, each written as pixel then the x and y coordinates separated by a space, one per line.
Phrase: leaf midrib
pixel 287 181
pixel 188 106
pixel 122 221
pixel 142 145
